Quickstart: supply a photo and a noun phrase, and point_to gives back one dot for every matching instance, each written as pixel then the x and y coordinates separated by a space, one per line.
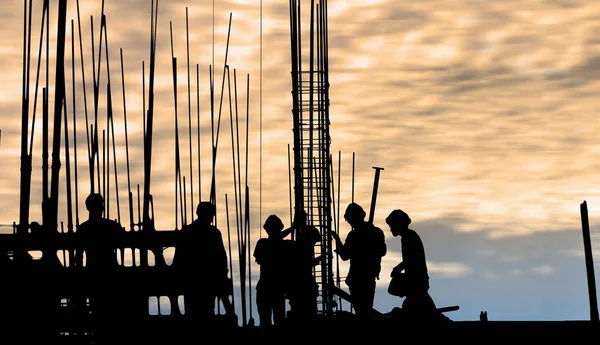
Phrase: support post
pixel 589 262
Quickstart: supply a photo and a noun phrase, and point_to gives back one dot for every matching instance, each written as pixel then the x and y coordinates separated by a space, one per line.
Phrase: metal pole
pixel 25 184
pixel 59 97
pixel 129 193
pixel 374 197
pixel 589 262
pixel 85 106
pixel 187 37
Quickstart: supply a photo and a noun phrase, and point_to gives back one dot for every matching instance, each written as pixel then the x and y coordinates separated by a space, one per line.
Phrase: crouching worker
pixel 410 278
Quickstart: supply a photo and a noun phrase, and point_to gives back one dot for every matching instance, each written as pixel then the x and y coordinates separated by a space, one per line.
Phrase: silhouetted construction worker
pixel 364 247
pixel 303 288
pixel 272 255
pixel 98 238
pixel 418 304
pixel 201 259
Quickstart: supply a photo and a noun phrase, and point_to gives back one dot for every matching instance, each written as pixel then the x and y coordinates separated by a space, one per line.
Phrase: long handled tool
pixel 374 197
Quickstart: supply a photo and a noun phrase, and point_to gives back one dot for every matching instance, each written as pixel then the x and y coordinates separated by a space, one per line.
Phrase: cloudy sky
pixel 482 114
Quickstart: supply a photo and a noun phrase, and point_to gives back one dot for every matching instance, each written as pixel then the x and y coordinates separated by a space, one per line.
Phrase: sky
pixel 482 114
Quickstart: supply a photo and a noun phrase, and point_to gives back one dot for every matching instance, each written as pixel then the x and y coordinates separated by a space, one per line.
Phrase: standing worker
pixel 364 247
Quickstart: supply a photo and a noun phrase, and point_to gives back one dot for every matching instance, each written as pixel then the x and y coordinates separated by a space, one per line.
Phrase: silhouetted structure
pixel 34 286
pixel 272 254
pixel 41 302
pixel 313 190
pixel 200 260
pixel 364 247
pixel 483 316
pixel 48 259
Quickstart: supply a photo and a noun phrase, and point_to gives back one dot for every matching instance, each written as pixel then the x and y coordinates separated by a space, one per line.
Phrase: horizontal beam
pixel 68 241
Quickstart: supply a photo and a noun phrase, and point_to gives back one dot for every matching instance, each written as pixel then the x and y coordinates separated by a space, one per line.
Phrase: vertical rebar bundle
pixel 310 110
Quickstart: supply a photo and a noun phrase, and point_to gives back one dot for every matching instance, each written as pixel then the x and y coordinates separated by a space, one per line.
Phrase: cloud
pixel 448 126
pixel 543 270
pixel 448 269
pixel 482 114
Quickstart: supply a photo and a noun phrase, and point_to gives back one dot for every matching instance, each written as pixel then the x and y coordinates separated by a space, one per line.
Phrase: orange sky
pixel 482 114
